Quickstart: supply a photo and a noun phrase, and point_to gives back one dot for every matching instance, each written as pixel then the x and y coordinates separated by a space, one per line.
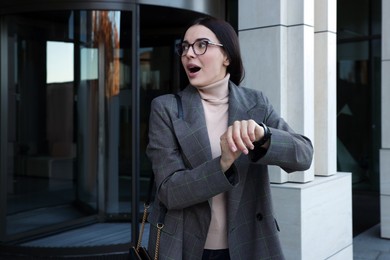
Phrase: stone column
pixel 385 151
pixel 277 41
pixel 325 88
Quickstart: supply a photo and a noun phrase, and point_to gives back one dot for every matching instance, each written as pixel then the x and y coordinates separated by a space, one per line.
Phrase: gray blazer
pixel 187 177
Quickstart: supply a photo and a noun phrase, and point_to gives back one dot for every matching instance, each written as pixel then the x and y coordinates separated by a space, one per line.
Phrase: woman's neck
pixel 216 91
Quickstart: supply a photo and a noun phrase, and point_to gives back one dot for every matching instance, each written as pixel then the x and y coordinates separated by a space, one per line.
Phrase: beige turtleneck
pixel 215 99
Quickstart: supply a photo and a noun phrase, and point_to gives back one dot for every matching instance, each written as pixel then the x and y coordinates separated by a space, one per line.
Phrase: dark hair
pixel 228 37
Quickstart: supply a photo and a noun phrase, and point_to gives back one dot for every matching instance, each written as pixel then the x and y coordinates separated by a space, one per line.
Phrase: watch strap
pixel 267 134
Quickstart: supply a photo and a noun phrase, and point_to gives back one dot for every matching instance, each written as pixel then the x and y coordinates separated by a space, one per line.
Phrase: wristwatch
pixel 267 134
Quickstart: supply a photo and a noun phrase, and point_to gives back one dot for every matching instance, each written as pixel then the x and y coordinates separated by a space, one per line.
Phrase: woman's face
pixel 203 70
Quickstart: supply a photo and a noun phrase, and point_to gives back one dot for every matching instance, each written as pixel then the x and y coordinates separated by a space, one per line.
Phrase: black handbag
pixel 138 252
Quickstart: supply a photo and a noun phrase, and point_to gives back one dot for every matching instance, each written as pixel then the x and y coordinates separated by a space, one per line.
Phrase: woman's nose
pixel 191 52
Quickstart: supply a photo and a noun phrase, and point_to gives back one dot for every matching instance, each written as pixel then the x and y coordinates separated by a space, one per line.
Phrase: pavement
pixel 367 245
pixel 370 246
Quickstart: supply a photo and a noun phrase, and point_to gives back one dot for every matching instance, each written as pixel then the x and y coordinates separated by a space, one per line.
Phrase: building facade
pixel 76 83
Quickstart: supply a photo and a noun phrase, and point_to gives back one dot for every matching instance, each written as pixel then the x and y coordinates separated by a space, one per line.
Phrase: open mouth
pixel 194 69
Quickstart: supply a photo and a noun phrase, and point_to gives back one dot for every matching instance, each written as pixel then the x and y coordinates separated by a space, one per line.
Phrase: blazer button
pixel 259 216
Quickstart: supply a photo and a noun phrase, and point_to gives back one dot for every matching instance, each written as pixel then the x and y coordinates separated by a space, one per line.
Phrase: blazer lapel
pixel 191 131
pixel 239 105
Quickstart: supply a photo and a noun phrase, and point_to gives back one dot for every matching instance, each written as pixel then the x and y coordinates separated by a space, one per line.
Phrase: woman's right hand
pixel 237 139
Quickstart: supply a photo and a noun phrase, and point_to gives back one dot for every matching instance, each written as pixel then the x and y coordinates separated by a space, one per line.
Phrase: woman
pixel 210 164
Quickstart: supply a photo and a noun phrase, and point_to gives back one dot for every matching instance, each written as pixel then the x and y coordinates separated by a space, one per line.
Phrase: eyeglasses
pixel 199 47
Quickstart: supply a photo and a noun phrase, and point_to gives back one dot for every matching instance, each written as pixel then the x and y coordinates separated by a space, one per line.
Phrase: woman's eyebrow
pixel 198 39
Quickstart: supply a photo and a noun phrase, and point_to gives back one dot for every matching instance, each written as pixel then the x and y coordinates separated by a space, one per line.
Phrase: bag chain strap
pixel 141 233
pixel 159 228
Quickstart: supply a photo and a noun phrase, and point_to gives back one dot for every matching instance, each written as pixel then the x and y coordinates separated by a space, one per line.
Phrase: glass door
pixel 42 142
pixel 359 105
pixel 70 75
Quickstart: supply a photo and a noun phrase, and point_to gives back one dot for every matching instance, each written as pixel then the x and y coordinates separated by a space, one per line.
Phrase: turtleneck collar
pixel 216 92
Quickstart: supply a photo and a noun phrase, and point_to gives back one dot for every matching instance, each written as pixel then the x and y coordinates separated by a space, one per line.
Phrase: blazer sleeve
pixel 178 185
pixel 289 150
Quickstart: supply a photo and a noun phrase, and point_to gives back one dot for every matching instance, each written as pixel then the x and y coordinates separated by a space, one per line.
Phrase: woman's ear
pixel 226 61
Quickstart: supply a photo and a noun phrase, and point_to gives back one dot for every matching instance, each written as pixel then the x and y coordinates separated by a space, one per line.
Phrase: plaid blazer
pixel 187 177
